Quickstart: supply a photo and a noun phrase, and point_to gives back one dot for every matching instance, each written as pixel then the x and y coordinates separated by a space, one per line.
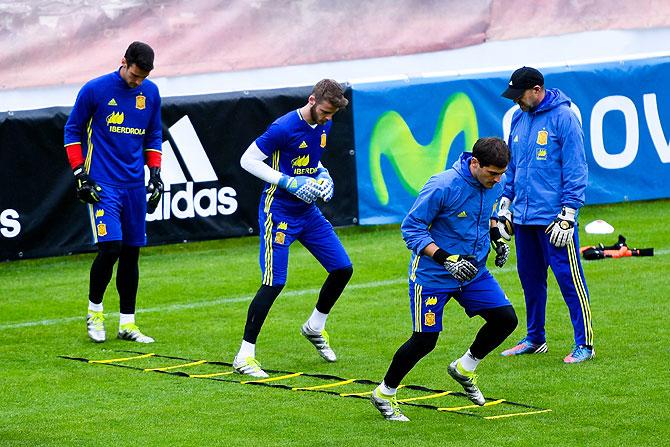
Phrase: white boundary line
pixel 200 304
pixel 240 299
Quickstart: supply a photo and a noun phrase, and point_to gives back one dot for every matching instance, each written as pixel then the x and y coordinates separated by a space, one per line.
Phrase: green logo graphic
pixel 412 162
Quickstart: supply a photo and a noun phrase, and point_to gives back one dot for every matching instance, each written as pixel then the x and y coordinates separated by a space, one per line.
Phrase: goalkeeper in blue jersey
pixel 449 230
pixel 113 130
pixel 296 179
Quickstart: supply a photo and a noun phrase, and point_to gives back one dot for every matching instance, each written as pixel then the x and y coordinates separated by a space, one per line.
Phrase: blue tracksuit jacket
pixel 453 211
pixel 548 167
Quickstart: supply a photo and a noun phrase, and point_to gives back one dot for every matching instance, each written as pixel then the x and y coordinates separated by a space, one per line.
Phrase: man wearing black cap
pixel 547 176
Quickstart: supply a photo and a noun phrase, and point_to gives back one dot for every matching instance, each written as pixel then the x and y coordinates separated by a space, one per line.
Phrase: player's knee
pixel 344 274
pixel 129 253
pixel 109 251
pixel 424 342
pixel 507 319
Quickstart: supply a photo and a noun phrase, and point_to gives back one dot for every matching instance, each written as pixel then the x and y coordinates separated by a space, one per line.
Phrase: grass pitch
pixel 193 299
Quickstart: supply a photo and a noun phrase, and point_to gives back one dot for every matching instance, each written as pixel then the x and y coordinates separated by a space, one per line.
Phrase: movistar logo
pixel 115 118
pixel 413 162
pixel 301 161
pixel 190 201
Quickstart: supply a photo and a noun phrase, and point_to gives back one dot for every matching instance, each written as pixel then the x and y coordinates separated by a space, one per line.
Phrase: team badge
pixel 323 139
pixel 429 318
pixel 102 229
pixel 542 137
pixel 282 226
pixel 431 301
pixel 140 102
pixel 280 238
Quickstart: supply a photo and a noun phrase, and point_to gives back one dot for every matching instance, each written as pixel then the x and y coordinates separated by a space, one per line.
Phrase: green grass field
pixel 193 299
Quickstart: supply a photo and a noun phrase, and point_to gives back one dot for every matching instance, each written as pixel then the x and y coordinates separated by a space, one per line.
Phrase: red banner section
pixel 77 40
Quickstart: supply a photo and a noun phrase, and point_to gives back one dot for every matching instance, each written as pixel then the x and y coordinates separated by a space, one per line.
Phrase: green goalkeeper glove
pixel 87 190
pixel 499 245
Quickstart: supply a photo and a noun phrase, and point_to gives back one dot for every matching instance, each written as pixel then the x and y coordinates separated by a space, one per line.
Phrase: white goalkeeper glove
pixel 324 179
pixel 460 267
pixel 505 224
pixel 560 231
pixel 303 187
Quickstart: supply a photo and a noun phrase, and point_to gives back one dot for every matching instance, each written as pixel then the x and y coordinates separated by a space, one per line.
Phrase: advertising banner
pixel 207 194
pixel 406 131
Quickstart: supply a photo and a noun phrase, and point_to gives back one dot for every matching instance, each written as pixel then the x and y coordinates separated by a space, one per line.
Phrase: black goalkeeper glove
pixel 460 267
pixel 155 188
pixel 499 246
pixel 87 190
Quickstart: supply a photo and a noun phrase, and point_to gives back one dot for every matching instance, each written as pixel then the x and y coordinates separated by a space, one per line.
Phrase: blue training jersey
pixel 115 124
pixel 294 148
pixel 453 210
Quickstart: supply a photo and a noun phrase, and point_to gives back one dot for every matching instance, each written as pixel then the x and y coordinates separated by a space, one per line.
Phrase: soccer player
pixel 113 130
pixel 287 212
pixel 449 229
pixel 547 178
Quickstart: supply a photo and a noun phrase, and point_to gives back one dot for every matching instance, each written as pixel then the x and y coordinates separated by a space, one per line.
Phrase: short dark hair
pixel 491 151
pixel 140 54
pixel 331 91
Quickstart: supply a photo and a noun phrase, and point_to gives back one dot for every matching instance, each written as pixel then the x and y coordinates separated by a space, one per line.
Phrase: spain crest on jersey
pixel 140 102
pixel 542 137
pixel 323 139
pixel 102 229
pixel 280 238
pixel 429 318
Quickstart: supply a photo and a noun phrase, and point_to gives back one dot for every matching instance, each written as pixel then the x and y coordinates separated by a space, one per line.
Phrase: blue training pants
pixel 534 256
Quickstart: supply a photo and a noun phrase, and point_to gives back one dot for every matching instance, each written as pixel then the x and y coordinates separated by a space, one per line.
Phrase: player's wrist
pixel 284 181
pixel 79 170
pixel 440 256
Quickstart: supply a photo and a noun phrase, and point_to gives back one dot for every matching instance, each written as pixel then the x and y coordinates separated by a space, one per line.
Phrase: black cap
pixel 521 80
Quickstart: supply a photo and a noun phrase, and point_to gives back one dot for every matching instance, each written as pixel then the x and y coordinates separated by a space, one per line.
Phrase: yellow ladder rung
pixel 183 365
pixel 430 396
pixel 321 387
pixel 364 393
pixel 125 359
pixel 199 376
pixel 487 404
pixel 500 416
pixel 272 379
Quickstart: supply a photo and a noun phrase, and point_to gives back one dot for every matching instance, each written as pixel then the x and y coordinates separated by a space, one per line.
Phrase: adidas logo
pixel 516 139
pixel 112 102
pixel 462 214
pixel 188 202
pixel 303 145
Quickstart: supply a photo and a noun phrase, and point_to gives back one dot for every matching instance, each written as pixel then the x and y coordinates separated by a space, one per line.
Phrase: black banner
pixel 207 196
